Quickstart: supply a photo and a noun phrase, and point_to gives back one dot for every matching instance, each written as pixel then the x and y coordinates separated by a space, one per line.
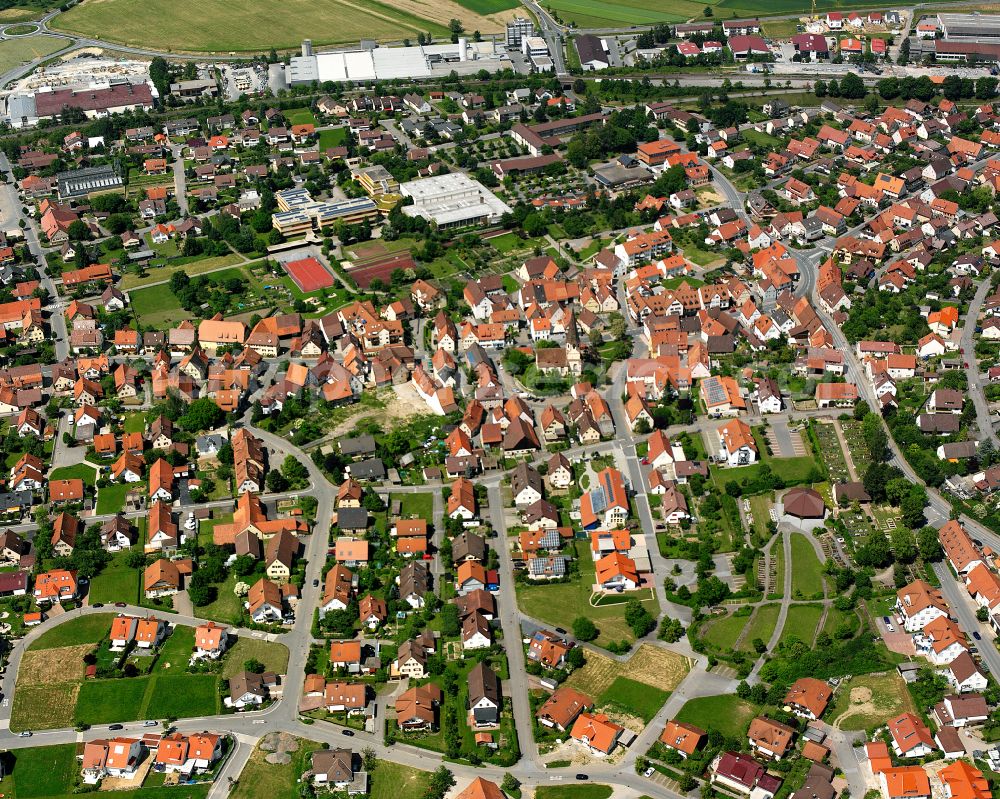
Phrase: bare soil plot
pixel 651 665
pixel 46 666
pixel 43 707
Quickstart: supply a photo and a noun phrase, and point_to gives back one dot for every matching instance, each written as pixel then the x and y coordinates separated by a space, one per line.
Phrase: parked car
pixel 115 727
pixel 149 723
pixel 582 777
pixel 348 733
pixel 26 733
pixel 648 772
pixel 890 628
pixel 977 636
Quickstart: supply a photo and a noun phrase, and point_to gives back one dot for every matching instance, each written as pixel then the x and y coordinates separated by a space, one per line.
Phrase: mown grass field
pixel 723 631
pixel 157 306
pixel 726 713
pixel 761 626
pixel 801 622
pixel 634 698
pixel 88 629
pixel 217 26
pixel 807 572
pixel 18 51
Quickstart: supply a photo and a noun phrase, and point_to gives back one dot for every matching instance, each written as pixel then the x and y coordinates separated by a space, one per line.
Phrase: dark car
pixel 315 583
pixel 115 727
pixel 560 630
pixel 348 733
pixel 97 605
pixel 120 605
pixel 582 777
pixel 977 636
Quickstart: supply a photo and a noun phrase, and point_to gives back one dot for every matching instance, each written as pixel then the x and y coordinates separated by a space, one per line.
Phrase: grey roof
pixel 352 518
pixel 590 48
pixel 370 469
pixel 468 545
pixel 362 445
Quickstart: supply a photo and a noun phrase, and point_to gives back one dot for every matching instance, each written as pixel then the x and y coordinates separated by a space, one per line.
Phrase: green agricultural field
pixel 761 626
pixel 807 572
pixel 488 6
pixel 633 698
pixel 81 471
pixel 726 713
pixel 87 629
pixel 14 52
pixel 801 622
pixel 216 26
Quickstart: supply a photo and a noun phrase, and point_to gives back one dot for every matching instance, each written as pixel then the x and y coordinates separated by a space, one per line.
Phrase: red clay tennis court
pixel 309 275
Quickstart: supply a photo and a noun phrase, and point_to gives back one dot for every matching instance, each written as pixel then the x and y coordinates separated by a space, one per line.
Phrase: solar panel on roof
pixel 716 393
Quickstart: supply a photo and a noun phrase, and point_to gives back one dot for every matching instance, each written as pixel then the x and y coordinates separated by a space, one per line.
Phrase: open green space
pixel 723 631
pixel 216 26
pixel 51 772
pixel 108 701
pixel 801 622
pixel 80 471
pixel 87 629
pixel 300 116
pixel 115 583
pixel 226 607
pixel 591 791
pixel 273 656
pixel 332 138
pixel 418 505
pixel 761 625
pixel 634 698
pixel 111 498
pixel 162 274
pixel 838 619
pixel 157 306
pixel 726 713
pixel 560 603
pixel 868 700
pixel 807 572
pixel 14 52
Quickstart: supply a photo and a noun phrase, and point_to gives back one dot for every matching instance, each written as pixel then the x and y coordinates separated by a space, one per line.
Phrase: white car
pixel 648 772
pixel 890 628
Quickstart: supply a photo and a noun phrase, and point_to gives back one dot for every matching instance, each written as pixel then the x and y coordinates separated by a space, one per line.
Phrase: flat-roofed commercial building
pixel 970 26
pixel 453 200
pixel 300 213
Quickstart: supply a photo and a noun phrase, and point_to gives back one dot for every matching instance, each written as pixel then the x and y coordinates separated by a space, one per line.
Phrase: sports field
pixel 309 274
pixel 218 26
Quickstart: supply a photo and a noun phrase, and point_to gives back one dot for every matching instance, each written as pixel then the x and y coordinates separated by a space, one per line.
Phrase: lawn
pixel 868 700
pixel 801 622
pixel 157 306
pixel 807 572
pixel 111 498
pixel 633 698
pixel 216 26
pixel 49 772
pixel 761 626
pixel 117 583
pixel 300 116
pixel 185 695
pixel 559 604
pixel 726 713
pixel 82 471
pixel 590 791
pixel 227 606
pixel 135 422
pixel 395 781
pixel 40 771
pixel 836 618
pixel 260 778
pixel 109 701
pixel 162 274
pixel 273 656
pixel 332 138
pixel 14 52
pixel 420 506
pixel 87 629
pixel 723 631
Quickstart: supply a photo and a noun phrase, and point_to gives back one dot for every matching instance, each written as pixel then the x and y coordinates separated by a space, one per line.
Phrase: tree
pixel 584 629
pixel 852 87
pixel 575 657
pixel 671 631
pixel 509 784
pixel 202 414
pixel 294 471
pixel 441 781
pixel 276 482
pixel 200 595
pixel 78 230
pixel 929 545
pixel 450 624
pixel 638 618
pixel 369 759
pixel 254 666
